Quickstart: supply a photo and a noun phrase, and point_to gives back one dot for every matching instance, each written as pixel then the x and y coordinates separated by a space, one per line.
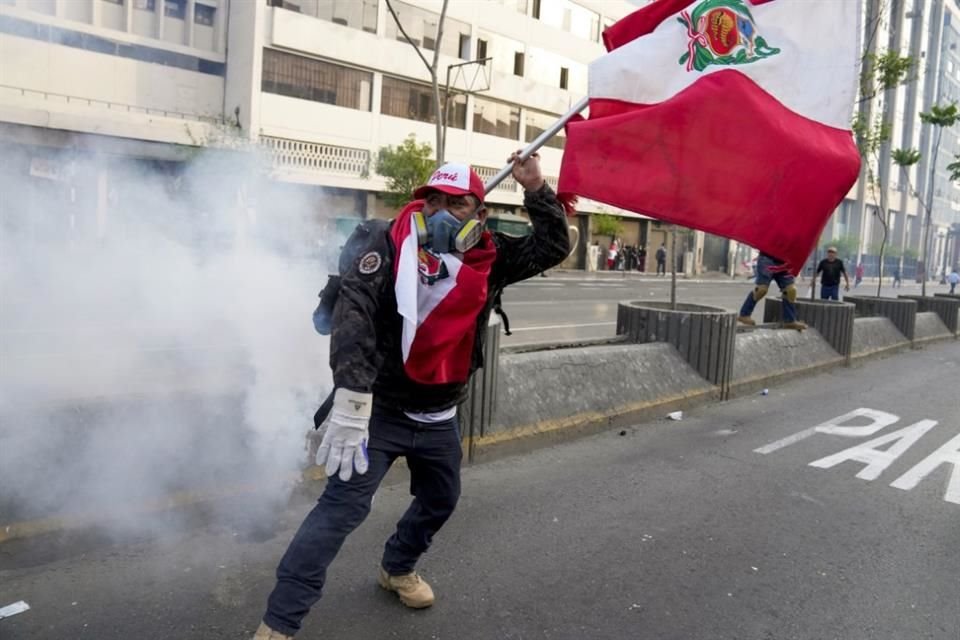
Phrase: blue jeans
pixel 433 455
pixel 766 274
pixel 829 292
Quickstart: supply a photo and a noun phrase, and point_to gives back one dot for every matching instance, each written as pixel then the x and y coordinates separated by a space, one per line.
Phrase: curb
pixel 516 441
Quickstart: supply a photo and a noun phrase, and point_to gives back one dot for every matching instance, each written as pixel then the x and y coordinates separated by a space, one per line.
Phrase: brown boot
pixel 799 326
pixel 412 589
pixel 266 633
pixel 747 320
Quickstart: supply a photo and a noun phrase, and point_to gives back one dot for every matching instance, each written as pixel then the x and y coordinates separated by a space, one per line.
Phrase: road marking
pixel 880 420
pixel 565 326
pixel 948 453
pixel 876 460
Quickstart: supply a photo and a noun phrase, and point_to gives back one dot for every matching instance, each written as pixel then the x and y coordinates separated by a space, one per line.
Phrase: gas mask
pixel 444 233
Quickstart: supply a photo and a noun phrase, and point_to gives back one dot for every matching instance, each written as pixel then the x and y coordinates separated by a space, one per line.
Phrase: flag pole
pixel 538 142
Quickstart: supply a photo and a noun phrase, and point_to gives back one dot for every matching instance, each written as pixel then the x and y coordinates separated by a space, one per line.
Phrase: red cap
pixel 455 179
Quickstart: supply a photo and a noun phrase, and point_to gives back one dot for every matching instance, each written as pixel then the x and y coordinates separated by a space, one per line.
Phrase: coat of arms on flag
pixel 722 32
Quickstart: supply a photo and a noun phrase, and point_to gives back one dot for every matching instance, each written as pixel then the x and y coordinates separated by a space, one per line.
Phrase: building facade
pixel 927 32
pixel 91 89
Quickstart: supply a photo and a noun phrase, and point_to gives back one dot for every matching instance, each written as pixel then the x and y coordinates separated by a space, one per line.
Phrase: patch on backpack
pixel 370 263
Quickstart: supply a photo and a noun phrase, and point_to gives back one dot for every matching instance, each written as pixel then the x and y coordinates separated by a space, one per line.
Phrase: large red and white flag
pixel 438 297
pixel 729 116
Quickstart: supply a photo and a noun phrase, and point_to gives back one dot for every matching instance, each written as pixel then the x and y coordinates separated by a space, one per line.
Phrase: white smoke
pixel 155 336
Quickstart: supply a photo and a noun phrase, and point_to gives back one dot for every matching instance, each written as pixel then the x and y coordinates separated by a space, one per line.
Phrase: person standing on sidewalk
pixel 831 269
pixel 768 270
pixel 408 329
pixel 662 260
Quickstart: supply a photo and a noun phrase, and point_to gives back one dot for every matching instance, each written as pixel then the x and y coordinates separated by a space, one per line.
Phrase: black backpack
pixel 349 254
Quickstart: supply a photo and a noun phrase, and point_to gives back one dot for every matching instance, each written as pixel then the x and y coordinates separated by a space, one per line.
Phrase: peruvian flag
pixel 730 116
pixel 439 296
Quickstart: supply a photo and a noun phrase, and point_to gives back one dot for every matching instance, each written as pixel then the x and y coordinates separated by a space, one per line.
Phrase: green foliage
pixel 910 253
pixel 954 168
pixel 905 157
pixel 870 135
pixel 945 116
pixel 889 250
pixel 846 247
pixel 406 167
pixel 882 71
pixel 607 225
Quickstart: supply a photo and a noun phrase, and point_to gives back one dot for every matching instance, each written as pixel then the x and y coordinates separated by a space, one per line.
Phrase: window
pixel 120 2
pixel 518 63
pixel 146 5
pixel 414 101
pixel 537 123
pixel 536 9
pixel 496 118
pixel 481 50
pixel 175 9
pixel 204 14
pixel 309 79
pixel 464 47
pixel 564 77
pixel 421 26
pixel 356 14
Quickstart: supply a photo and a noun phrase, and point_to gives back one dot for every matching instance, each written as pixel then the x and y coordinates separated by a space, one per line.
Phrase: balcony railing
pixel 313 156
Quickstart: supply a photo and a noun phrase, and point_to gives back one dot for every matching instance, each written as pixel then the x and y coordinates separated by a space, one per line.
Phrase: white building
pixel 320 84
pixel 926 31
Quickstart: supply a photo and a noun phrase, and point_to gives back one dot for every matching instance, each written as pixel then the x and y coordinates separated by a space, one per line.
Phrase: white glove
pixel 344 445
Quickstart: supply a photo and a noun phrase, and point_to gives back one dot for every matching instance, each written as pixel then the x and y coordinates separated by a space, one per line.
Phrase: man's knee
pixel 790 293
pixel 759 291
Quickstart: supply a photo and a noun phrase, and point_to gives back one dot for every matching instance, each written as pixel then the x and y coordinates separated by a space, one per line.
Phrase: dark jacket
pixel 365 343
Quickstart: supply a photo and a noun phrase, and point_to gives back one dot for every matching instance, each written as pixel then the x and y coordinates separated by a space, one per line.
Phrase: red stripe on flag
pixel 641 22
pixel 723 156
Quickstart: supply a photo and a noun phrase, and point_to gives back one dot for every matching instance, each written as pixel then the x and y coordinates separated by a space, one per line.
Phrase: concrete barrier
pixel 568 391
pixel 952 296
pixel 767 356
pixel 833 320
pixel 902 312
pixel 877 336
pixel 703 335
pixel 946 307
pixel 930 327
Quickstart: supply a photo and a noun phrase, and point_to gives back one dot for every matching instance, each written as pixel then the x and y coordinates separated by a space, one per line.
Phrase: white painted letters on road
pixel 880 420
pixel 870 454
pixel 949 454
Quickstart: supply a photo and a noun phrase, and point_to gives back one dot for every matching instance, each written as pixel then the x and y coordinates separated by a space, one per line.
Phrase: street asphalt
pixel 577 306
pixel 668 530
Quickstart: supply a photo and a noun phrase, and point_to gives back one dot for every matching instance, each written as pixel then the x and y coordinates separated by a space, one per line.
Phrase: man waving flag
pixel 730 116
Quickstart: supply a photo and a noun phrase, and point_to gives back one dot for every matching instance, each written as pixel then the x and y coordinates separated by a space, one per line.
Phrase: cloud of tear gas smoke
pixel 155 332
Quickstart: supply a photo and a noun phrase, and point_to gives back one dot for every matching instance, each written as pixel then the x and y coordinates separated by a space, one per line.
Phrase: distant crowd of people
pixel 631 258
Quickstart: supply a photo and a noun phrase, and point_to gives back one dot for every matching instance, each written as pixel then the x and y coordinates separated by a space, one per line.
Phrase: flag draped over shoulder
pixel 439 297
pixel 729 116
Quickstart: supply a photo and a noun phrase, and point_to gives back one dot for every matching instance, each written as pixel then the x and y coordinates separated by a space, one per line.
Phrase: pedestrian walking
pixel 896 277
pixel 769 269
pixel 858 275
pixel 831 268
pixel 400 368
pixel 953 279
pixel 662 260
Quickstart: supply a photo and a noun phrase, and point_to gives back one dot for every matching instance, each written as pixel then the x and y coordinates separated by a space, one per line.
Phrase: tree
pixel 878 73
pixel 431 69
pixel 847 246
pixel 406 167
pixel 940 118
pixel 607 225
